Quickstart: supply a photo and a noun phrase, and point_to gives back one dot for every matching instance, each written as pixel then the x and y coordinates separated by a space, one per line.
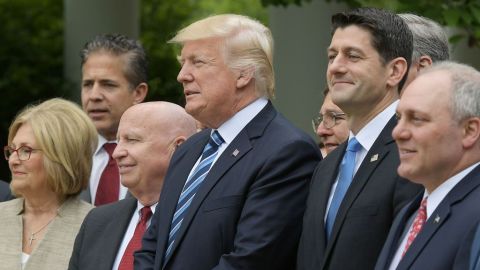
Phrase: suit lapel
pixel 372 160
pixel 440 216
pixel 398 227
pixel 115 230
pixel 177 176
pixel 240 145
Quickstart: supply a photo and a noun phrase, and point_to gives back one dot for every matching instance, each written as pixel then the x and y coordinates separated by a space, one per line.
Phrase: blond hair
pixel 67 138
pixel 247 43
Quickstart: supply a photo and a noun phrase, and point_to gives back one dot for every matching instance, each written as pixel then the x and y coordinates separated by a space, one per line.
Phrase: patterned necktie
pixel 345 178
pixel 109 184
pixel 191 186
pixel 136 242
pixel 417 224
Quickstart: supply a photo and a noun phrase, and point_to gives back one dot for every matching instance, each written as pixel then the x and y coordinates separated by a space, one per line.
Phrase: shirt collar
pixel 101 142
pixel 232 127
pixel 437 195
pixel 370 132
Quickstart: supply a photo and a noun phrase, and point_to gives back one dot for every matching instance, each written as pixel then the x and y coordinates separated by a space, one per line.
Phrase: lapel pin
pixel 235 153
pixel 437 219
pixel 374 158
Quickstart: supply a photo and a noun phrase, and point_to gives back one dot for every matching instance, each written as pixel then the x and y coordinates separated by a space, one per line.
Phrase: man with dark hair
pixel 356 192
pixel 114 77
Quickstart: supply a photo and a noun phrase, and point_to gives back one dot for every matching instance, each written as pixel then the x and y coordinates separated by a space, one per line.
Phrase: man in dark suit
pixel 5 193
pixel 245 210
pixel 355 194
pixel 114 78
pixel 438 137
pixel 148 134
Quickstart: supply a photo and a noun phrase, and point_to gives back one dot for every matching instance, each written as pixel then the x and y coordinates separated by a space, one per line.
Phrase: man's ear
pixel 245 76
pixel 424 61
pixel 140 92
pixel 397 69
pixel 471 132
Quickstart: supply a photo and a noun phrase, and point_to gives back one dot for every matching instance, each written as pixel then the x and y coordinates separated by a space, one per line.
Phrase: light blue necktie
pixel 347 168
pixel 191 186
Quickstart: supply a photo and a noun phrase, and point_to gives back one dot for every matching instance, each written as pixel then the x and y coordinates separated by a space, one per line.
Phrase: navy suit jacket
pixel 247 213
pixel 5 193
pixel 366 213
pixel 437 245
pixel 101 235
pixel 469 255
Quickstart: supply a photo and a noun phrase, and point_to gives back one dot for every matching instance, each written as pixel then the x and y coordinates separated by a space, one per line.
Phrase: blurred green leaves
pixel 461 14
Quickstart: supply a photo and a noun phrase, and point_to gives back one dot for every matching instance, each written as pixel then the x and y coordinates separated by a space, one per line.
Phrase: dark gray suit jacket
pixel 367 211
pixel 5 193
pixel 247 213
pixel 101 235
pixel 437 245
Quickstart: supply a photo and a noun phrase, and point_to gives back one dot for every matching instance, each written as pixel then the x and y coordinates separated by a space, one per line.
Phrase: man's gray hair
pixel 429 38
pixel 465 86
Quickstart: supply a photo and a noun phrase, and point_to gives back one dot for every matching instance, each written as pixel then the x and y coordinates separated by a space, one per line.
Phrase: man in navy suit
pixel 148 135
pixel 351 205
pixel 247 210
pixel 438 138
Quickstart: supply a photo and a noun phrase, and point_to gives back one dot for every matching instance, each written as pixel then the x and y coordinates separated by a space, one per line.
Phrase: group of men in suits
pixel 438 148
pixel 235 194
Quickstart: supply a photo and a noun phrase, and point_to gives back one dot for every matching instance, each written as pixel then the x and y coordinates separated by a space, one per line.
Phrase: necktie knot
pixel 109 147
pixel 354 145
pixel 215 139
pixel 145 214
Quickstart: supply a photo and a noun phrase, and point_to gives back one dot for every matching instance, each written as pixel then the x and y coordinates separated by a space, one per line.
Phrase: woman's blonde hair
pixel 66 137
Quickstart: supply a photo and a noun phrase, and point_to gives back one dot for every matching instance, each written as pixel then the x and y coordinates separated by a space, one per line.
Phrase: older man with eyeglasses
pixel 331 124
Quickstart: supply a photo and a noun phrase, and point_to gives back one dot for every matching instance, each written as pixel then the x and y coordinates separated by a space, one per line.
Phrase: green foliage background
pixel 462 14
pixel 31 50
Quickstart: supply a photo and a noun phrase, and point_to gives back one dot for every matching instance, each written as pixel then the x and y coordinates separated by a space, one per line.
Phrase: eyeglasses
pixel 23 152
pixel 330 119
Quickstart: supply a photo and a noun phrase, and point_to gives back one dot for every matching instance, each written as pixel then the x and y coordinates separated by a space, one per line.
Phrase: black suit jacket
pixel 247 213
pixel 5 193
pixel 101 235
pixel 367 211
pixel 437 245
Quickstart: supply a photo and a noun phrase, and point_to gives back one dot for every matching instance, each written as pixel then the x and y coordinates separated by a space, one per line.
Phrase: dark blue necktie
pixel 347 168
pixel 191 186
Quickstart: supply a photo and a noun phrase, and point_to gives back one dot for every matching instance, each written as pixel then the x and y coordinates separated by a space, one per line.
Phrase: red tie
pixel 109 184
pixel 417 224
pixel 136 242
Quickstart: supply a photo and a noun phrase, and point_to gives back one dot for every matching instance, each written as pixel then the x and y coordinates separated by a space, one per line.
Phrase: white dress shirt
pixel 100 161
pixel 130 231
pixel 232 127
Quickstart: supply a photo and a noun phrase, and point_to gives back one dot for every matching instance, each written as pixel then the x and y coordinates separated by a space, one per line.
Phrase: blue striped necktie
pixel 191 186
pixel 345 178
